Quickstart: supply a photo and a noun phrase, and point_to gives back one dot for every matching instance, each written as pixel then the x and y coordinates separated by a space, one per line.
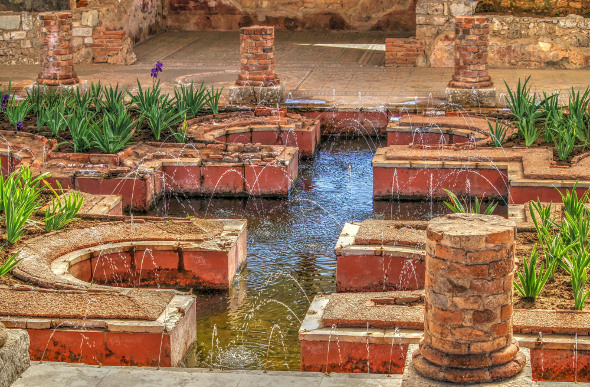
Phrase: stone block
pixel 240 95
pixel 18 35
pixel 27 20
pixel 10 22
pixel 14 356
pixel 90 18
pixel 472 97
pixel 81 31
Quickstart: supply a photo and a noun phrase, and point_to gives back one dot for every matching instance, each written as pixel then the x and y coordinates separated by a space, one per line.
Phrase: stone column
pixel 57 58
pixel 471 84
pixel 468 300
pixel 257 81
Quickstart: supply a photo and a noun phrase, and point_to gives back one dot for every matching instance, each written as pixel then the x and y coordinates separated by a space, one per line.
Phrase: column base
pixel 241 95
pixel 59 89
pixel 468 375
pixel 485 97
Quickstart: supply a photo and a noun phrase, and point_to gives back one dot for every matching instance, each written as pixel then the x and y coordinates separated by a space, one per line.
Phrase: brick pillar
pixel 468 300
pixel 472 35
pixel 257 51
pixel 57 58
pixel 471 85
pixel 257 83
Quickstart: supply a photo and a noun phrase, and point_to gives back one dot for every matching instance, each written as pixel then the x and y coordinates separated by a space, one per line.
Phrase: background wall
pixel 535 7
pixel 34 5
pixel 388 15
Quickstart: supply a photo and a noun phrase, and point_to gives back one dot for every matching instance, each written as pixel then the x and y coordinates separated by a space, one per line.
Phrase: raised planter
pixel 353 332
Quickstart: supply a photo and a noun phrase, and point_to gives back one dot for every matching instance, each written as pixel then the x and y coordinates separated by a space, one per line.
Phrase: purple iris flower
pixel 19 126
pixel 154 73
pixel 159 66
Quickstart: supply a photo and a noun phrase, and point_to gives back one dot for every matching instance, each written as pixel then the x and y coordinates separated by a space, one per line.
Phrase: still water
pixel 290 256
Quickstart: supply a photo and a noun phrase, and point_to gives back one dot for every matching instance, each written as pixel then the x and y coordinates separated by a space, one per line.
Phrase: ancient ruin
pixel 234 192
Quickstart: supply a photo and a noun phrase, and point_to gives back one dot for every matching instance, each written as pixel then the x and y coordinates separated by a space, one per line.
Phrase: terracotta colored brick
pixel 446 316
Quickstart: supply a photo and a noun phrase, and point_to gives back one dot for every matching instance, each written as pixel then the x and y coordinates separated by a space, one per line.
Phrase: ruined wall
pixel 515 41
pixel 34 5
pixel 535 7
pixel 140 18
pixel 199 15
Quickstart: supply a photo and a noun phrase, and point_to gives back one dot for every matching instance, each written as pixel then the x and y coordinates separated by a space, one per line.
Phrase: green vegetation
pixel 106 118
pixel 567 127
pixel 62 209
pixel 565 245
pixel 458 207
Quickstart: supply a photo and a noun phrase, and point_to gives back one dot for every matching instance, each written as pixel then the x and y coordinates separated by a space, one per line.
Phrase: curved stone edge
pixel 41 252
pixel 14 356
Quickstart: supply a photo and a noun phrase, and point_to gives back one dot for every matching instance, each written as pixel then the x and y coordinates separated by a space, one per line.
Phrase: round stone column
pixel 57 57
pixel 471 85
pixel 468 300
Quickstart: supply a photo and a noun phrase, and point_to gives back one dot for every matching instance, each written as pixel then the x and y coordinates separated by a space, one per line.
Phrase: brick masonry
pixel 57 58
pixel 471 53
pixel 257 57
pixel 468 300
pixel 400 52
pixel 109 42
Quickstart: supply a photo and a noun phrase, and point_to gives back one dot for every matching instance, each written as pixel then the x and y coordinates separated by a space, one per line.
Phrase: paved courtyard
pixel 342 69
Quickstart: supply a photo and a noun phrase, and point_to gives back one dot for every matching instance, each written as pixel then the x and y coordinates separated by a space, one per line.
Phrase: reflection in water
pixel 290 256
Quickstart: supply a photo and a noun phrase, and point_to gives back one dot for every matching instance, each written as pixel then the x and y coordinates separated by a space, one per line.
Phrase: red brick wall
pixel 108 41
pixel 401 52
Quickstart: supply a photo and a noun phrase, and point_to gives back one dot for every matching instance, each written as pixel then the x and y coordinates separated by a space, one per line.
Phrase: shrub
pixel 213 97
pixel 80 127
pixel 10 263
pixel 180 134
pixel 62 209
pixel 163 117
pixel 457 207
pixel 564 136
pixel 16 112
pixel 19 194
pixel 523 105
pixel 190 99
pixel 531 282
pixel 498 133
pixel 52 116
pixel 115 133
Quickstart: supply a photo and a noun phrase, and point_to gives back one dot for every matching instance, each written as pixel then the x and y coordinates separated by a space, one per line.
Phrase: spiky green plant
pixel 457 207
pixel 62 209
pixel 10 264
pixel 530 282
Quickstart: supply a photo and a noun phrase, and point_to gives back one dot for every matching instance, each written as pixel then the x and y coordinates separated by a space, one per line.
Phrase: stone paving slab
pixel 59 375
